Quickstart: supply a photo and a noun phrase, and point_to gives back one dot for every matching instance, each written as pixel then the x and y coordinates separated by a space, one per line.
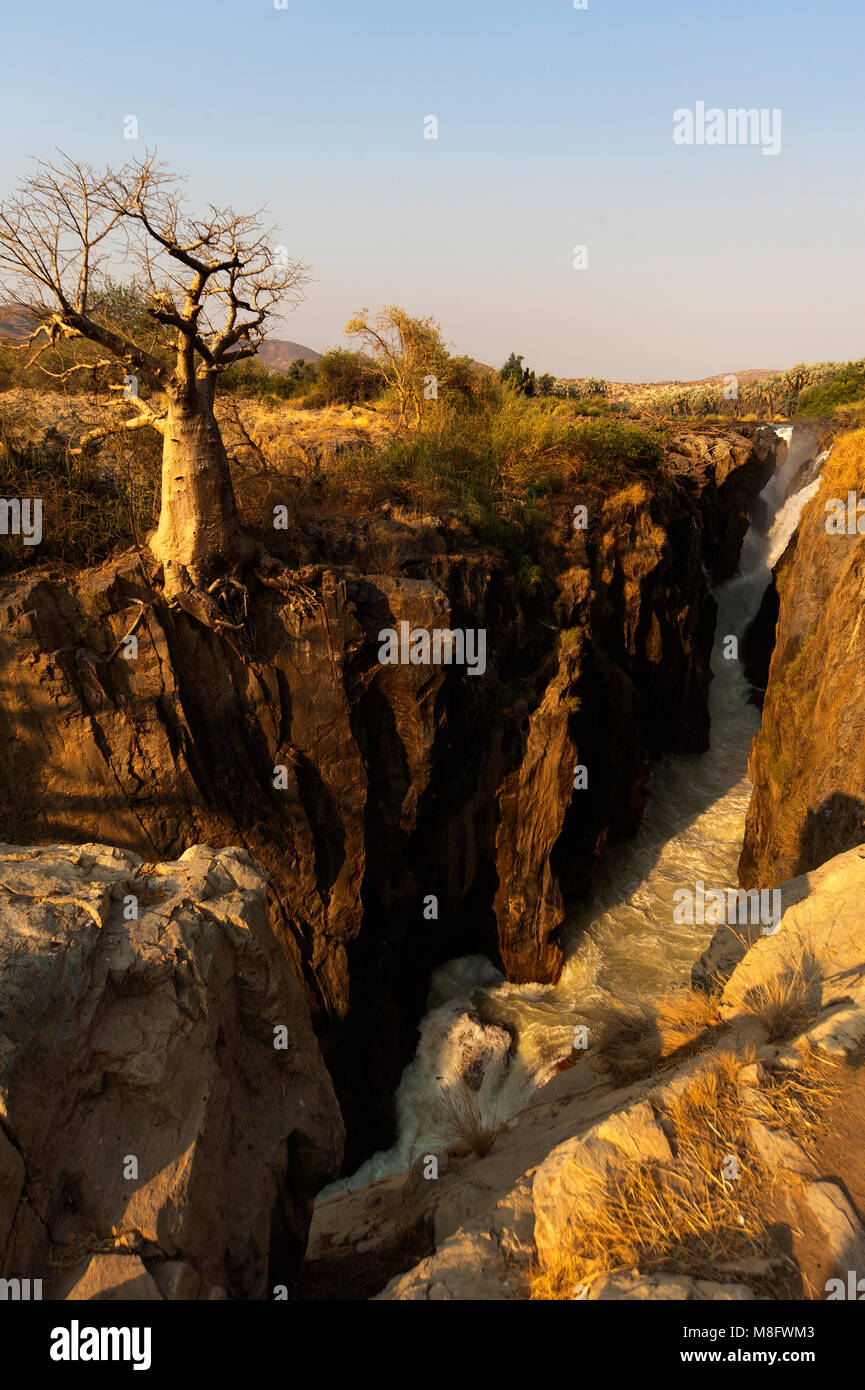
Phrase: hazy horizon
pixel 555 130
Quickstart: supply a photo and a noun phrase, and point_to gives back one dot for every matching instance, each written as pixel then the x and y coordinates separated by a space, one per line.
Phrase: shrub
pixel 846 387
pixel 460 1116
pixel 251 378
pixel 346 378
pixel 633 1038
pixel 783 1000
pixel 612 450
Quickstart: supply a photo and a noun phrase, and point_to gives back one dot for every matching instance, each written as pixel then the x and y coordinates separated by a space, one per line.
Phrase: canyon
pixel 402 781
pixel 403 786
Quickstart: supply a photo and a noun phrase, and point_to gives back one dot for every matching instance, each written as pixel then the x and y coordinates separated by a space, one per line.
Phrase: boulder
pixel 162 1095
pixel 574 1177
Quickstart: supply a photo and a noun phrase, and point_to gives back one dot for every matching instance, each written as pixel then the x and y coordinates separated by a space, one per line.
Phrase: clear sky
pixel 555 129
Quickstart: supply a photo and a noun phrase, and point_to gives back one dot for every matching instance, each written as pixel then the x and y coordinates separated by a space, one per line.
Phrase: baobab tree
pixel 207 286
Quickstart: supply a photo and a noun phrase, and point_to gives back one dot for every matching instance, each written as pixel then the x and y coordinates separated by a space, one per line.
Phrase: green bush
pixel 845 388
pixel 252 379
pixel 345 378
pixel 613 451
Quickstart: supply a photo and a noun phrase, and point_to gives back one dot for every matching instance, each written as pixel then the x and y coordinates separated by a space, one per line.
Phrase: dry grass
pixel 844 469
pixel 691 1219
pixel 460 1116
pixel 72 1252
pixel 798 1099
pixel 783 1000
pixel 632 1038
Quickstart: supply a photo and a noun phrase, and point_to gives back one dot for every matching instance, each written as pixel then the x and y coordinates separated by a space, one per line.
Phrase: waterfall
pixel 493 1042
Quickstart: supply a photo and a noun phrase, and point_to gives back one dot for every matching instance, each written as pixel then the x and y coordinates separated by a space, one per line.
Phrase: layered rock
pixel 808 761
pixel 725 470
pixel 368 790
pixel 166 1119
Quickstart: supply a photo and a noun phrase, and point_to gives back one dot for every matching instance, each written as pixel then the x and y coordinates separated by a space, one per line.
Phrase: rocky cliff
pixel 405 813
pixel 808 761
pixel 165 1117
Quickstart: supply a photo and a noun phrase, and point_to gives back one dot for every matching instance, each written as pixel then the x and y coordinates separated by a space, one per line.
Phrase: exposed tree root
pixel 180 592
pixel 142 609
pixel 274 574
pixel 224 605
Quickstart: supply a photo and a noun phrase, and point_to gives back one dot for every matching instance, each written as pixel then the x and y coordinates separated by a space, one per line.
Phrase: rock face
pixel 487 1221
pixel 724 470
pixel 154 1141
pixel 808 761
pixel 367 789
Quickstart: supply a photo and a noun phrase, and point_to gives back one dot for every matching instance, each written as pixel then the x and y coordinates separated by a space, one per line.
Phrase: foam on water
pixel 621 943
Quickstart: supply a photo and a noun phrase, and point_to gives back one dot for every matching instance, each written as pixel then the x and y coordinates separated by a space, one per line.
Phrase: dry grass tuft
pixel 633 1038
pixel 783 1000
pixel 693 1219
pixel 798 1099
pixel 461 1117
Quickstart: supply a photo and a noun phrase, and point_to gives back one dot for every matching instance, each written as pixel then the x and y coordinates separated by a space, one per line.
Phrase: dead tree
pixel 209 285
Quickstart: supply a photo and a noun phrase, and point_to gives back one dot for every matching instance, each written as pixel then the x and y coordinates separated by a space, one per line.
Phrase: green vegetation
pixel 845 388
pixel 499 458
pixel 815 389
pixel 503 450
pixel 794 670
pixel 506 450
pixel 780 767
pixel 519 378
pixel 523 380
pixel 613 451
pixel 570 640
pixel 250 379
pixel 344 378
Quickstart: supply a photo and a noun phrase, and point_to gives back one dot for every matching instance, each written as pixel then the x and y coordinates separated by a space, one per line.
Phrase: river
pixel 620 943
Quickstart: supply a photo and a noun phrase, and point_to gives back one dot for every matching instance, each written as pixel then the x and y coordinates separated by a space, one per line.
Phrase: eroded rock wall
pixel 808 761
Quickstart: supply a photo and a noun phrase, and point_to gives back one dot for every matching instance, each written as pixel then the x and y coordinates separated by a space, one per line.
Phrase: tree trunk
pixel 198 523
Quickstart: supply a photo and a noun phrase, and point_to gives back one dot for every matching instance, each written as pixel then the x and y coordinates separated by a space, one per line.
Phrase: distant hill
pixel 14 324
pixel 719 379
pixel 278 355
pixel 750 374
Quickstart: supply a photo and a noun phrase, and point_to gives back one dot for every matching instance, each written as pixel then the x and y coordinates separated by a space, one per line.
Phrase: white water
pixel 620 943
